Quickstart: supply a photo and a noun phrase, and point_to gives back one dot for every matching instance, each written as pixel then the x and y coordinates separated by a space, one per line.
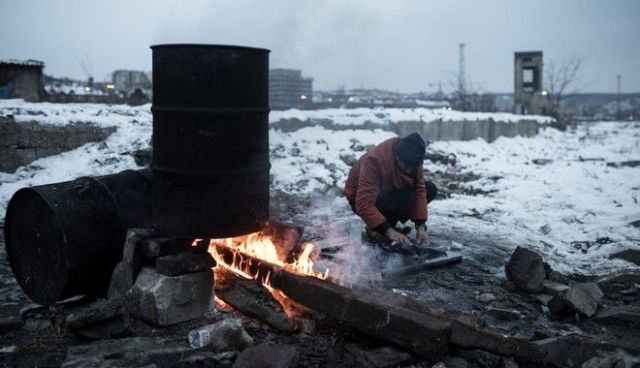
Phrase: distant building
pixel 127 81
pixel 288 89
pixel 528 93
pixel 22 79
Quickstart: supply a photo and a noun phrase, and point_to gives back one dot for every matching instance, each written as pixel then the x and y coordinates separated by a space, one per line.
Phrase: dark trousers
pixel 396 205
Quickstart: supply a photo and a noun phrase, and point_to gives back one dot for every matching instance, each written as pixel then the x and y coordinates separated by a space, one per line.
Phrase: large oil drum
pixel 210 140
pixel 65 239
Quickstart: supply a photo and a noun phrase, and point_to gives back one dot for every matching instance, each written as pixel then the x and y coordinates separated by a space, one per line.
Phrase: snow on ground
pixel 110 156
pixel 551 207
pixel 383 116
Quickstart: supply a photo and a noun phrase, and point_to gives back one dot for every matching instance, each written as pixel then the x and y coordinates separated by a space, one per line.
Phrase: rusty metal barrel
pixel 65 239
pixel 210 140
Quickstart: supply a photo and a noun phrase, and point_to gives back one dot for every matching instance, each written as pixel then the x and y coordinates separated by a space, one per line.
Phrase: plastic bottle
pixel 200 337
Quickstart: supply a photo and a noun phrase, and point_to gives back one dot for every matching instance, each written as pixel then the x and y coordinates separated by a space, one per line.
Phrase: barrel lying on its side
pixel 64 239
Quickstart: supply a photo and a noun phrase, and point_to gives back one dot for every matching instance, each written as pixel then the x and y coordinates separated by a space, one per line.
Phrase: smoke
pixel 338 234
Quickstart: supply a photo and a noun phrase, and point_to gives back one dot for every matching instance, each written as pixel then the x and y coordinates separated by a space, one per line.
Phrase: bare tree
pixel 562 79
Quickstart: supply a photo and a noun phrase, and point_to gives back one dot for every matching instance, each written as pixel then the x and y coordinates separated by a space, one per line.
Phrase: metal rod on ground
pixel 428 264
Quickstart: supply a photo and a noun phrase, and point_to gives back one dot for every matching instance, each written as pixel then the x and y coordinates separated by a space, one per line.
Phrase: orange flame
pixel 261 247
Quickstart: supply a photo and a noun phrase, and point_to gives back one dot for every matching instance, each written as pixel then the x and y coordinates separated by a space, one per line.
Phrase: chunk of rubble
pixel 268 356
pixel 583 298
pixel 526 270
pixel 126 271
pixel 229 335
pixel 162 300
pixel 127 352
pixel 627 315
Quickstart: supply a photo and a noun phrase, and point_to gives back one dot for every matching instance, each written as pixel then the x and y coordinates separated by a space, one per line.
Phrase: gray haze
pixel 399 45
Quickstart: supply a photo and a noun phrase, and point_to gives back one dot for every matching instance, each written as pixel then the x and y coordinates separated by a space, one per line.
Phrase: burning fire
pixel 260 247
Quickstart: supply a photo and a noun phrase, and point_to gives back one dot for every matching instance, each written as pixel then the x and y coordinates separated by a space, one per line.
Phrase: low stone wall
pixel 23 143
pixel 438 130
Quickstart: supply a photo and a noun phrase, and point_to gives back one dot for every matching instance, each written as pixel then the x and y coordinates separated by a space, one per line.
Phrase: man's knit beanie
pixel 410 149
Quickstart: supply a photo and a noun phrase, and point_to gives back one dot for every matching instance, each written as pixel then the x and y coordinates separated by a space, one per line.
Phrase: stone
pixel 486 298
pixel 526 270
pixel 10 317
pixel 100 310
pixel 115 327
pixel 505 314
pixel 128 352
pixel 507 362
pixel 11 323
pixel 626 315
pixel 629 255
pixel 162 246
pixel 604 362
pixel 455 362
pixel 618 280
pixel 183 263
pixel 387 357
pixel 480 358
pixel 439 365
pixel 126 271
pixel 229 335
pixel 574 351
pixel 583 298
pixel 162 300
pixel 268 356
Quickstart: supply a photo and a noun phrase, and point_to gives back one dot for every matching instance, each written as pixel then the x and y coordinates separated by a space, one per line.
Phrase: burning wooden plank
pixel 421 333
pixel 239 294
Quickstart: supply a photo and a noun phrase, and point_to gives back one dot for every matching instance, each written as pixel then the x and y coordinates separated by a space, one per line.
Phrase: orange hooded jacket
pixel 375 172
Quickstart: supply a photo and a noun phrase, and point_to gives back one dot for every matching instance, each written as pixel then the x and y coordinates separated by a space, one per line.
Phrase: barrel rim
pixel 205 45
pixel 10 248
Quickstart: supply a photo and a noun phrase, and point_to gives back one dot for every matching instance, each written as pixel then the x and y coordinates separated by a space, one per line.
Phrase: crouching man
pixel 387 186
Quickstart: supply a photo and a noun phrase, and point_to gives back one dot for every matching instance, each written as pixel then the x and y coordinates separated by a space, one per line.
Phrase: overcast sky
pixel 403 45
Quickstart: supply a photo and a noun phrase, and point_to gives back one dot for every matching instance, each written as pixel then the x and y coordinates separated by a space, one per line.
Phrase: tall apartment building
pixel 289 89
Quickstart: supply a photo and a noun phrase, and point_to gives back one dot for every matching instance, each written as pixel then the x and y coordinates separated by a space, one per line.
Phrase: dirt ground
pixel 40 338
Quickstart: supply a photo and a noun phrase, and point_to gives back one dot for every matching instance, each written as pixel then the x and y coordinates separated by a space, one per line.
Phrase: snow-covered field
pixel 551 206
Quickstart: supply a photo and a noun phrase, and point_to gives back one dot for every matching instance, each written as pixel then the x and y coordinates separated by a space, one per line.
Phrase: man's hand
pixel 421 235
pixel 395 236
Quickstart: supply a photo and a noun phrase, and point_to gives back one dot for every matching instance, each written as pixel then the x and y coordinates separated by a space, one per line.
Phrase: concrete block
pixel 162 300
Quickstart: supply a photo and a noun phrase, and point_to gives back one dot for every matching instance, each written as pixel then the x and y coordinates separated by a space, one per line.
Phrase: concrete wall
pixel 21 144
pixel 489 130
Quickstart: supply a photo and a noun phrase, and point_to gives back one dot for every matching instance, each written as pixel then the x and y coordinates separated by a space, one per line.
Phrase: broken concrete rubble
pixel 126 271
pixel 162 300
pixel 583 298
pixel 526 270
pixel 228 335
pixel 268 356
pixel 625 315
pixel 126 352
